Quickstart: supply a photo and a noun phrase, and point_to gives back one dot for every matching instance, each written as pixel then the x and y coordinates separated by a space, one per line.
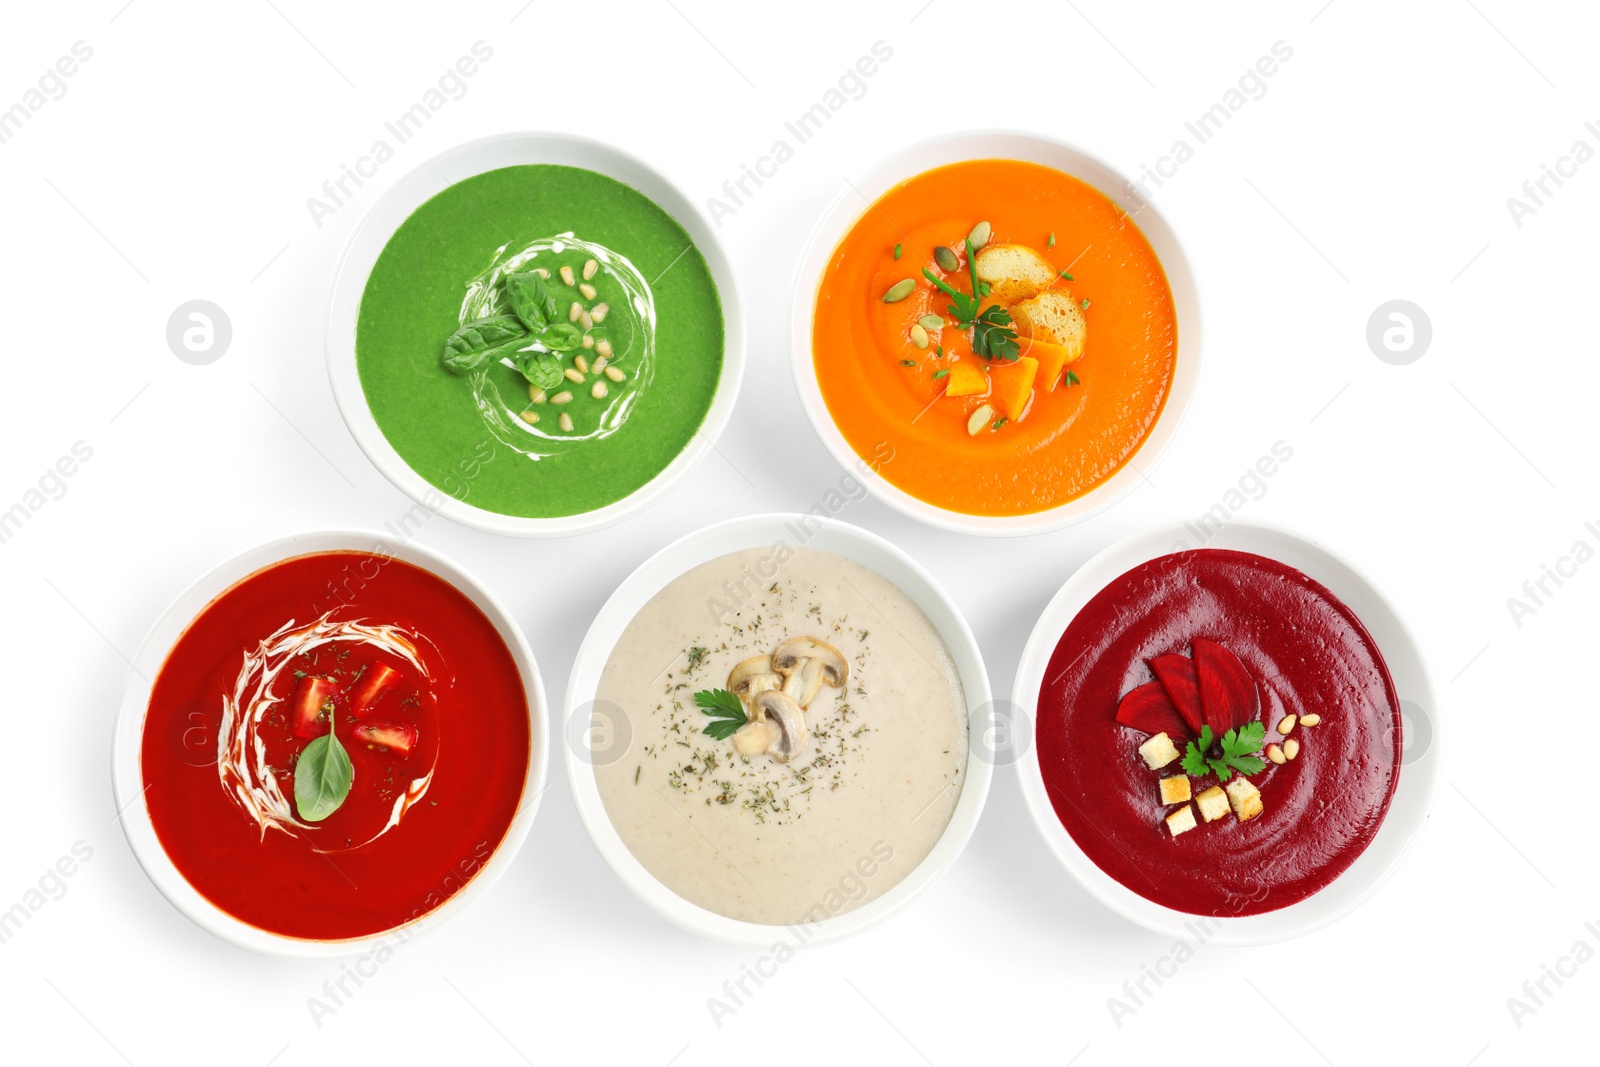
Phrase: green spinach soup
pixel 549 319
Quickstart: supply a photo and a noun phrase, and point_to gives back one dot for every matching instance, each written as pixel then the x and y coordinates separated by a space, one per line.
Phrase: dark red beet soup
pixel 335 746
pixel 1251 765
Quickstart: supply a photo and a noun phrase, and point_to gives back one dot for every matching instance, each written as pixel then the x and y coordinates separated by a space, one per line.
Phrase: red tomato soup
pixel 425 701
pixel 1237 642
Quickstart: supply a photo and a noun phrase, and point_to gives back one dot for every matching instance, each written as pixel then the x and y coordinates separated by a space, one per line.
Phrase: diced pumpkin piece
pixel 1012 385
pixel 966 379
pixel 1053 359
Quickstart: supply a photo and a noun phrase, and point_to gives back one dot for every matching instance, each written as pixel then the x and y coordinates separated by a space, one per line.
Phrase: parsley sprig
pixel 726 713
pixel 992 334
pixel 1238 747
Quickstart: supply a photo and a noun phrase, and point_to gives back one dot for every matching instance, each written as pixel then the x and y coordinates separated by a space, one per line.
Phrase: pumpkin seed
pixel 931 322
pixel 979 235
pixel 919 336
pixel 899 291
pixel 979 419
pixel 946 259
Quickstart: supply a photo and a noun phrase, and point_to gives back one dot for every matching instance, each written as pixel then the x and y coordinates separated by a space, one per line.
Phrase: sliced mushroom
pixel 739 678
pixel 788 723
pixel 761 683
pixel 810 675
pixel 752 738
pixel 788 656
pixel 794 686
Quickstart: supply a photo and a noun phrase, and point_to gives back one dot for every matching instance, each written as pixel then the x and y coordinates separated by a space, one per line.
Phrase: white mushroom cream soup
pixel 797 743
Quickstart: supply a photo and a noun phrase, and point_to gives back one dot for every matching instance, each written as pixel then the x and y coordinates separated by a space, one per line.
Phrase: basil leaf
pixel 542 369
pixel 322 778
pixel 473 345
pixel 528 298
pixel 550 308
pixel 562 337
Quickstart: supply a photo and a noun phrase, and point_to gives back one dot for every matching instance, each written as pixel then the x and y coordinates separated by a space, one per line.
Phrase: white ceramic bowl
pixel 127 780
pixel 439 173
pixel 853 202
pixel 1419 771
pixel 764 531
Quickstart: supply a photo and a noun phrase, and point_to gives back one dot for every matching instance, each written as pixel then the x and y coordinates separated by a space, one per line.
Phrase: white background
pixel 1376 166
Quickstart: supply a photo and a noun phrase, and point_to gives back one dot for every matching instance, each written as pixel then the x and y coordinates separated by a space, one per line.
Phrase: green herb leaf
pixel 322 778
pixel 726 713
pixel 940 373
pixel 897 250
pixel 1001 421
pixel 528 297
pixel 475 344
pixel 1071 379
pixel 1052 242
pixel 993 336
pixel 1067 276
pixel 1238 748
pixel 562 337
pixel 542 369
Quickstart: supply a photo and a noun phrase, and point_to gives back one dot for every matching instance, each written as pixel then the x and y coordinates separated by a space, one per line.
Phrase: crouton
pixel 1245 798
pixel 1054 317
pixel 1213 803
pixel 1181 821
pixel 1175 790
pixel 1158 751
pixel 1014 272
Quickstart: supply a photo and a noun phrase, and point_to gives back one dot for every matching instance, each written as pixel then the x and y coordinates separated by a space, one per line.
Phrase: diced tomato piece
pixel 311 707
pixel 1228 693
pixel 1178 679
pixel 1149 709
pixel 370 688
pixel 386 733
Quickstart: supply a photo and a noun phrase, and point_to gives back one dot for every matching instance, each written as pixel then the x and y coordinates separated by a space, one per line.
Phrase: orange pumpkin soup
pixel 1024 396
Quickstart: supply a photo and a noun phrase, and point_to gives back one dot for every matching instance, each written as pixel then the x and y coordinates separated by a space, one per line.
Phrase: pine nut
pixel 599 312
pixel 536 394
pixel 574 311
pixel 599 391
pixel 603 347
pixel 1310 720
pixel 1275 754
pixel 530 417
pixel 588 342
pixel 581 363
pixel 566 275
pixel 599 364
pixel 1286 724
pixel 565 422
pixel 574 375
pixel 585 320
pixel 562 397
pixel 614 374
pixel 589 292
pixel 1291 748
pixel 589 268
pixel 541 272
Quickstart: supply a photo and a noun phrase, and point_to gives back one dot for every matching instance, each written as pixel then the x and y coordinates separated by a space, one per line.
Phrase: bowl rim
pixel 173 622
pixel 346 292
pixel 712 542
pixel 1414 790
pixel 1155 227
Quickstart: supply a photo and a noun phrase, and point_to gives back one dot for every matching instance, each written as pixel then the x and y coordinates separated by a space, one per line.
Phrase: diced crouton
pixel 1014 272
pixel 1181 821
pixel 1245 798
pixel 1213 803
pixel 1055 317
pixel 1158 751
pixel 1175 790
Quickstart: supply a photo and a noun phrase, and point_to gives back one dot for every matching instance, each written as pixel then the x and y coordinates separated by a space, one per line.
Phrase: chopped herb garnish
pixel 697 656
pixel 1052 242
pixel 1067 276
pixel 908 363
pixel 1071 379
pixel 1001 421
pixel 897 250
pixel 1086 303
pixel 940 374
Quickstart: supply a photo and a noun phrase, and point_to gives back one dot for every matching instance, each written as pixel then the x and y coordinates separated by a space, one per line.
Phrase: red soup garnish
pixel 335 746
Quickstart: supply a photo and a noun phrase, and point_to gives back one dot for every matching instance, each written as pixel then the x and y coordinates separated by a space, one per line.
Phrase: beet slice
pixel 1177 675
pixel 1228 693
pixel 1148 708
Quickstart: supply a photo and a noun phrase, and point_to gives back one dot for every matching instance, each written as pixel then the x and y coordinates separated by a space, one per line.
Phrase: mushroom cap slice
pixel 788 723
pixel 810 675
pixel 753 738
pixel 788 656
pixel 739 677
